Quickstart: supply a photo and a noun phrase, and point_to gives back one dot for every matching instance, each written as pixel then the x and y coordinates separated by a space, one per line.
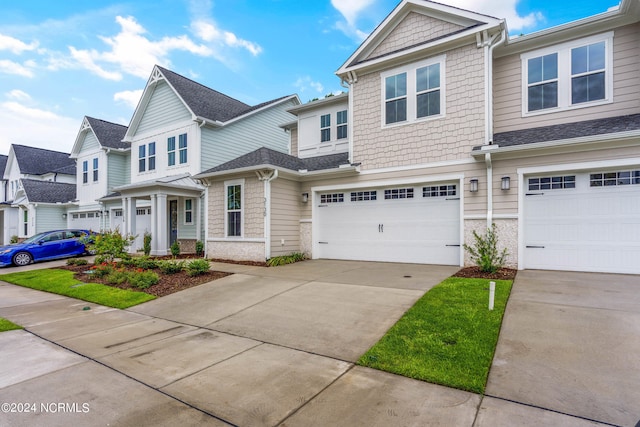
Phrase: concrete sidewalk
pixel 262 347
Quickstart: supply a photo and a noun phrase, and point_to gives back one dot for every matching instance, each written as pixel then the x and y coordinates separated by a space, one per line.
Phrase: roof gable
pixel 38 161
pixel 414 26
pixel 48 191
pixel 108 134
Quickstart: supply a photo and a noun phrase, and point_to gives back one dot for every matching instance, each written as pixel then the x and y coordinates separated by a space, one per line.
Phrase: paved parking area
pixel 276 346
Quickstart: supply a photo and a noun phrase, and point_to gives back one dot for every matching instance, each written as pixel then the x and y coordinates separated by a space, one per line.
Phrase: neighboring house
pixel 5 211
pixel 179 129
pixel 41 186
pixel 452 126
pixel 103 163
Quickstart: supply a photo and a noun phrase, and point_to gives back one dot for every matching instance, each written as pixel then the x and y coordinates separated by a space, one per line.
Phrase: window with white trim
pixel 182 148
pixel 95 169
pixel 85 171
pixel 188 211
pixel 171 151
pixel 552 183
pixel 398 193
pixel 413 92
pixel 147 157
pixel 608 179
pixel 325 127
pixel 570 75
pixel 233 209
pixel 439 190
pixel 360 196
pixel 332 198
pixel 341 121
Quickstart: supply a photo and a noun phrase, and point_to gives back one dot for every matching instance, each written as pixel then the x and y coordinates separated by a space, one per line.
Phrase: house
pixel 40 186
pixel 178 129
pixel 451 125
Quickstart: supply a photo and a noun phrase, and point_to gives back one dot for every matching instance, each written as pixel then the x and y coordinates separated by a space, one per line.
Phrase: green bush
pixel 199 248
pixel 285 259
pixel 175 248
pixel 109 245
pixel 14 239
pixel 102 269
pixel 171 267
pixel 143 279
pixel 117 277
pixel 77 261
pixel 143 262
pixel 485 251
pixel 146 246
pixel 197 267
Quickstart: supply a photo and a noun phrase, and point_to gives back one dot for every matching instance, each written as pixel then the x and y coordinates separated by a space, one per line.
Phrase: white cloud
pixel 209 32
pixel 129 97
pixel 18 95
pixel 351 10
pixel 11 67
pixel 133 53
pixel 500 9
pixel 306 82
pixel 14 45
pixel 46 129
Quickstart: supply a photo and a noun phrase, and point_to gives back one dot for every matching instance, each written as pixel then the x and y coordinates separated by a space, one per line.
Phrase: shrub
pixel 103 269
pixel 171 267
pixel 14 239
pixel 143 279
pixel 109 245
pixel 175 248
pixel 143 262
pixel 197 267
pixel 117 277
pixel 285 259
pixel 485 251
pixel 146 246
pixel 199 248
pixel 77 261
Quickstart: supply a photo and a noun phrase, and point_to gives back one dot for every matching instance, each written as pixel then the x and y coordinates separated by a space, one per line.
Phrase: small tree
pixel 485 251
pixel 109 245
pixel 199 248
pixel 175 248
pixel 146 245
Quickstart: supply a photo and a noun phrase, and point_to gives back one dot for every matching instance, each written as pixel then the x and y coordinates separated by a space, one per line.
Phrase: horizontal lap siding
pixel 163 108
pixel 49 218
pixel 285 217
pixel 626 90
pixel 118 171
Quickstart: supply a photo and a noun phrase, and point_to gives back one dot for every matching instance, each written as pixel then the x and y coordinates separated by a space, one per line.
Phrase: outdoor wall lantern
pixel 473 185
pixel 506 182
pixel 64 216
pixel 305 197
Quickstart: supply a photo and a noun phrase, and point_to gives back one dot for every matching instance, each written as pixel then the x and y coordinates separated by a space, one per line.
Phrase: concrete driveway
pixel 276 346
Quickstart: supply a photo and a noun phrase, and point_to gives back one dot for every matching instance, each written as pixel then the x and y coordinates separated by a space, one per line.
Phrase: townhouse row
pixel 449 125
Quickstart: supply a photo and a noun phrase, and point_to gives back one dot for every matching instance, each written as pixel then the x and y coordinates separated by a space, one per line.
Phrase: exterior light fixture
pixel 64 216
pixel 305 197
pixel 473 185
pixel 506 182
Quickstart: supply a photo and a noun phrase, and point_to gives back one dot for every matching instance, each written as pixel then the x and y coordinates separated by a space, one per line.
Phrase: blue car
pixel 44 247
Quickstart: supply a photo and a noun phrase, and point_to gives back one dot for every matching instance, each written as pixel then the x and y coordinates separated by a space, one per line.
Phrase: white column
pixel 131 220
pixel 198 213
pixel 154 225
pixel 162 227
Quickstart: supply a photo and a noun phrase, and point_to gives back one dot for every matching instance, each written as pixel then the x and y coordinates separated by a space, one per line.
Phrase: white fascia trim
pixel 596 164
pixel 236 240
pixel 420 166
pixel 495 216
pixel 390 182
pixel 318 103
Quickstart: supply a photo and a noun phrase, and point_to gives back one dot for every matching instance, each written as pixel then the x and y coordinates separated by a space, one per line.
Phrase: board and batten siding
pixel 118 171
pixel 49 218
pixel 285 217
pixel 626 90
pixel 261 129
pixel 164 108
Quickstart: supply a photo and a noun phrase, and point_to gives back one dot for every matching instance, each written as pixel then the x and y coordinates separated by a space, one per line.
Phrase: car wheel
pixel 22 258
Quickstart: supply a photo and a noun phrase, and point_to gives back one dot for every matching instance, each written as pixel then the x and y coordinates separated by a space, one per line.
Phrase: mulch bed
pixel 230 261
pixel 168 284
pixel 475 272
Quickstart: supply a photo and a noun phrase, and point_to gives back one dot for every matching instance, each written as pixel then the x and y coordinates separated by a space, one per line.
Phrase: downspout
pixel 267 209
pixel 487 160
pixel 206 183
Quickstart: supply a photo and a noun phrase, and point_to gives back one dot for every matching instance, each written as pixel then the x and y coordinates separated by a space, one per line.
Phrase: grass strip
pixel 7 325
pixel 448 337
pixel 61 282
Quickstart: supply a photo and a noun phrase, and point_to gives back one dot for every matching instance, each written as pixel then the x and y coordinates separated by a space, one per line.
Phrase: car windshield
pixel 36 238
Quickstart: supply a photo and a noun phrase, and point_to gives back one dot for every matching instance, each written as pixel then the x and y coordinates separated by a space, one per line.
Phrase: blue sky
pixel 62 60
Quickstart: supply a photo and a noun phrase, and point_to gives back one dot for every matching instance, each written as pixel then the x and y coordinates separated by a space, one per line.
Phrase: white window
pixel 118 212
pixel 398 193
pixel 439 191
pixel 325 127
pixel 95 169
pixel 570 75
pixel 147 157
pixel 85 172
pixel 361 196
pixel 188 211
pixel 608 179
pixel 233 208
pixel 171 151
pixel 552 183
pixel 182 148
pixel 414 92
pixel 341 121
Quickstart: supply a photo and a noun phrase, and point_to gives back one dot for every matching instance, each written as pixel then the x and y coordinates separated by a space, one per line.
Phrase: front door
pixel 173 221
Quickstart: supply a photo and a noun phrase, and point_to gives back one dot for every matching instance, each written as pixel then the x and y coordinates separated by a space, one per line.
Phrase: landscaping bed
pixel 476 273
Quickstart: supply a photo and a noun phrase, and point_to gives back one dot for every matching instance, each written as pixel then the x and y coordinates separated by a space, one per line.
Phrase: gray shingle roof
pixel 3 164
pixel 266 156
pixel 567 131
pixel 208 103
pixel 38 161
pixel 109 134
pixel 48 191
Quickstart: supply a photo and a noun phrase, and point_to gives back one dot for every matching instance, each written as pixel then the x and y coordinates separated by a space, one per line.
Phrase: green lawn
pixel 7 325
pixel 448 337
pixel 61 282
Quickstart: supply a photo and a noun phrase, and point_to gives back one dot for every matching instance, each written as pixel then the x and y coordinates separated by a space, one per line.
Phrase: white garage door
pixel 413 224
pixel 85 220
pixel 583 222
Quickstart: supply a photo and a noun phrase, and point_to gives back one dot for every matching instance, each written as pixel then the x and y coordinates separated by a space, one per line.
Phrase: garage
pixel 588 221
pixel 413 224
pixel 85 220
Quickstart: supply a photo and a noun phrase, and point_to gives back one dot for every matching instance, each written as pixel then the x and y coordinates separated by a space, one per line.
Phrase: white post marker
pixel 492 294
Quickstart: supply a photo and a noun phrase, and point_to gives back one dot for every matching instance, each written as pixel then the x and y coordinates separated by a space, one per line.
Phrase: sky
pixel 63 60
